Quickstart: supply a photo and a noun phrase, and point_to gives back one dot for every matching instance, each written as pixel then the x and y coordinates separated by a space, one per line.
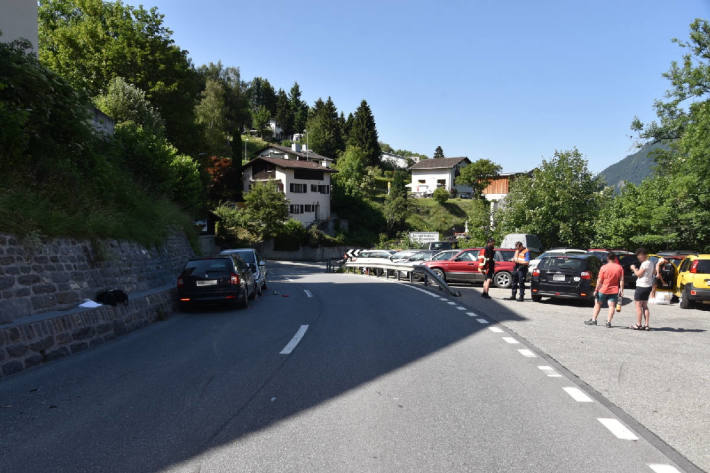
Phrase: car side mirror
pixel 262 263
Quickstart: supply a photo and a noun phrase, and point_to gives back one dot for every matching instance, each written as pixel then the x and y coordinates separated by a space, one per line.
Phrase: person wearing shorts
pixel 610 284
pixel 644 286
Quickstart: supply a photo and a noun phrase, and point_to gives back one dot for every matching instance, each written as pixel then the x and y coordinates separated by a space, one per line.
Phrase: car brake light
pixel 536 272
pixel 693 292
pixel 180 282
pixel 184 299
pixel 234 280
pixel 694 267
pixel 585 275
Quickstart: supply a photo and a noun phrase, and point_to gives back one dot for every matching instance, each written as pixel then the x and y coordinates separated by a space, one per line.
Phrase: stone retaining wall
pixel 57 274
pixel 41 338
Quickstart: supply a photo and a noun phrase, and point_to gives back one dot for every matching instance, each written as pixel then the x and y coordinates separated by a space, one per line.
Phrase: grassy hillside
pixel 633 168
pixel 429 215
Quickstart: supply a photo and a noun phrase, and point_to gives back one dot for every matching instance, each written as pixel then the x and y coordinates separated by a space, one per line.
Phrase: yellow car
pixel 693 281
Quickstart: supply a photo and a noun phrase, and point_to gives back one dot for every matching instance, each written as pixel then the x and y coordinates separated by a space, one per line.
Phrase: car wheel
pixel 244 302
pixel 263 287
pixel 503 279
pixel 685 302
pixel 537 298
pixel 252 296
pixel 439 273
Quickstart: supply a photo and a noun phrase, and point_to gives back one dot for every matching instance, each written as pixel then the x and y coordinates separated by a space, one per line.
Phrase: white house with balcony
pixel 303 177
pixel 430 174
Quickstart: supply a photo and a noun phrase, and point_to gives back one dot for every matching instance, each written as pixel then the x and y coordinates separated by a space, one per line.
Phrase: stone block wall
pixel 39 340
pixel 58 274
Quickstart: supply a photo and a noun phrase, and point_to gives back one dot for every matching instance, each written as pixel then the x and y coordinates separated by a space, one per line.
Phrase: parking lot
pixel 660 377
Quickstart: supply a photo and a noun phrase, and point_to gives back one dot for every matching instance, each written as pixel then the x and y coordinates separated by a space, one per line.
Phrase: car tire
pixel 263 286
pixel 685 302
pixel 253 293
pixel 537 298
pixel 503 279
pixel 440 273
pixel 244 302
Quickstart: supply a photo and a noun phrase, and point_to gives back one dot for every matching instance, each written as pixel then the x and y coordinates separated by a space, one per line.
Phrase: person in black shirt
pixel 488 266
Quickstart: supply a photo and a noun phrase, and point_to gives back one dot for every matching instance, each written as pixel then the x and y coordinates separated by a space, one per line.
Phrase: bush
pixel 441 195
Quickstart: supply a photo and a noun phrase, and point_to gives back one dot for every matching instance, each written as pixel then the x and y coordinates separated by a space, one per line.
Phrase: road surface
pixel 325 373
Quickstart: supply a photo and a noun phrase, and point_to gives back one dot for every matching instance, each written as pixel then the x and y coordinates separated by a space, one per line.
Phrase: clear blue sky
pixel 507 80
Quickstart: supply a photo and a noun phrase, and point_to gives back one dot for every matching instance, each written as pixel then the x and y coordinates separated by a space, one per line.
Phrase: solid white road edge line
pixel 495 329
pixel 510 340
pixel 308 293
pixel 577 394
pixel 294 341
pixel 527 353
pixel 619 430
pixel 663 468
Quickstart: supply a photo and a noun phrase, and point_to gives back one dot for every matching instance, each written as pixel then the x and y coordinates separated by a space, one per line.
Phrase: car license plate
pixel 208 282
pixel 558 277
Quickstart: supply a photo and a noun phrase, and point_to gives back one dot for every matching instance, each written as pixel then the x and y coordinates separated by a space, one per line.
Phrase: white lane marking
pixel 495 329
pixel 510 340
pixel 451 302
pixel 619 430
pixel 471 314
pixel 554 375
pixel 482 321
pixel 308 293
pixel 527 353
pixel 460 308
pixel 545 368
pixel 663 468
pixel 294 341
pixel 551 373
pixel 577 394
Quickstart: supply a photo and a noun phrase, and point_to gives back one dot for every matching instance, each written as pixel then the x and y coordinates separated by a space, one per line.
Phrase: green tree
pixel 363 134
pixel 441 195
pixel 260 118
pixel 479 223
pixel 284 114
pixel 186 183
pixel 559 203
pixel 478 175
pixel 352 179
pixel 324 131
pixel 438 153
pixel 299 108
pixel 211 113
pixel 395 212
pixel 90 42
pixel 400 179
pixel 266 210
pixel 124 102
pixel 261 94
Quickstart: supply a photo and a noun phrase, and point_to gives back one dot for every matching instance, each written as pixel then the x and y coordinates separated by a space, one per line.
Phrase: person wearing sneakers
pixel 610 284
pixel 520 273
pixel 644 286
pixel 487 264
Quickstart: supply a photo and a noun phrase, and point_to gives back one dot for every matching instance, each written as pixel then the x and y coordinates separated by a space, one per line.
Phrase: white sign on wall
pixel 424 237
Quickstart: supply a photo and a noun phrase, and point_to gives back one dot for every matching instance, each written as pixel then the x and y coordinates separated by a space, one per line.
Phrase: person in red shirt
pixel 610 285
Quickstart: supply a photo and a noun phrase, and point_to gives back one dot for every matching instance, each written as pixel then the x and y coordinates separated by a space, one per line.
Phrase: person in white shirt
pixel 644 285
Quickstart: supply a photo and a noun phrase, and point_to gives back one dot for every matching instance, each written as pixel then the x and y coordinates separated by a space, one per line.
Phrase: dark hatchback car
pixel 219 279
pixel 572 276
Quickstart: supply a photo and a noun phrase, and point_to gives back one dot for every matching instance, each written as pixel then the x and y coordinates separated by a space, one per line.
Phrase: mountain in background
pixel 634 168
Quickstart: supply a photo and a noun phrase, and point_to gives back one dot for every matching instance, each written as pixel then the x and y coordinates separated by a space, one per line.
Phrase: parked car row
pixel 234 277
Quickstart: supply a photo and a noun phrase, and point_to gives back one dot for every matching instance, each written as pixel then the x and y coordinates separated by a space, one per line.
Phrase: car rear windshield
pixel 703 266
pixel 208 266
pixel 246 255
pixel 562 263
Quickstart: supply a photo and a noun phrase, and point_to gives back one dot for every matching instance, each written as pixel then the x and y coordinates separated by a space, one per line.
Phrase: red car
pixel 463 267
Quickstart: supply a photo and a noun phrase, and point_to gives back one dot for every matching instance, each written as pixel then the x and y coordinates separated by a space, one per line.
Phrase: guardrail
pixel 387 267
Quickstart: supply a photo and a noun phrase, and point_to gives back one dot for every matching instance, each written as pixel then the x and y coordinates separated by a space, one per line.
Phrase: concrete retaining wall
pixel 305 253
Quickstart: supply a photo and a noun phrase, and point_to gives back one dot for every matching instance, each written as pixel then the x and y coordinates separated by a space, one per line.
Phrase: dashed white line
pixel 471 314
pixel 578 395
pixel 308 293
pixel 663 468
pixel 495 329
pixel 527 353
pixel 294 341
pixel 510 340
pixel 481 321
pixel 549 371
pixel 451 302
pixel 619 430
pixel 460 308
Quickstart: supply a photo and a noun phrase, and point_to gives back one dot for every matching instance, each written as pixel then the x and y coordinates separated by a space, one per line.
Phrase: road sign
pixel 424 237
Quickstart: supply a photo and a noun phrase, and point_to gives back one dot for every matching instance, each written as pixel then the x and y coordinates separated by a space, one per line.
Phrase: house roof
pixel 439 163
pixel 291 164
pixel 301 154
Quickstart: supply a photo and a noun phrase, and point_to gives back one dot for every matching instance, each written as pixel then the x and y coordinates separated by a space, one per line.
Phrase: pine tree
pixel 363 134
pixel 438 153
pixel 284 115
pixel 299 108
pixel 323 128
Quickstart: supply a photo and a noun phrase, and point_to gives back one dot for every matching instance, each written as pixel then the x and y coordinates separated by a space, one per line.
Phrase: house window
pixel 314 188
pixel 422 181
pixel 295 209
pixel 441 183
pixel 298 188
pixel 324 189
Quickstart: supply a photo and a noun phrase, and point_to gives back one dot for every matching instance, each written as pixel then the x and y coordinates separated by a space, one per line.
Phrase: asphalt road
pixel 326 373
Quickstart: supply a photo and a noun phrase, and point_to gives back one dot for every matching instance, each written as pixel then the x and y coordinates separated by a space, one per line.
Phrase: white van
pixel 531 242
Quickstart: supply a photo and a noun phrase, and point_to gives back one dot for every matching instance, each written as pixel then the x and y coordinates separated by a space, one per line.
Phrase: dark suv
pixel 572 276
pixel 218 279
